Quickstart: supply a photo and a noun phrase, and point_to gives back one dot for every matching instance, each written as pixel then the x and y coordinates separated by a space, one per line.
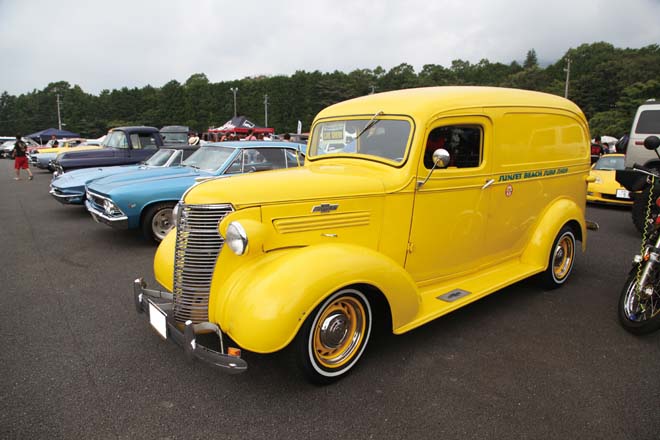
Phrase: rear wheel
pixel 157 221
pixel 561 260
pixel 334 336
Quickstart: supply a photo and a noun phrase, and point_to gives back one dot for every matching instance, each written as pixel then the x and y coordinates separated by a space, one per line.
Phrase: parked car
pixel 411 204
pixel 122 146
pixel 7 146
pixel 605 188
pixel 175 134
pixel 145 200
pixel 42 157
pixel 69 188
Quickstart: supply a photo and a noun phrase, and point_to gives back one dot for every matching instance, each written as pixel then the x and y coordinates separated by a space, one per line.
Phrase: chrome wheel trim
pixel 563 257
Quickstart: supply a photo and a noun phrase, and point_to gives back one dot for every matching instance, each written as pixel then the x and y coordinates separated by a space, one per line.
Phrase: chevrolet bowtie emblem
pixel 325 207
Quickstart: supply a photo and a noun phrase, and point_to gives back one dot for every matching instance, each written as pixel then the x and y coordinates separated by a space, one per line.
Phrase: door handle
pixel 488 183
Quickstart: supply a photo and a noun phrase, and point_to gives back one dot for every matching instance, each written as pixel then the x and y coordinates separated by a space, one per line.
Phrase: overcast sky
pixel 111 44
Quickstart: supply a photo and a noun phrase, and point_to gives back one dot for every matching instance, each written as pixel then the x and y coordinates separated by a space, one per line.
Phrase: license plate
pixel 157 320
pixel 622 194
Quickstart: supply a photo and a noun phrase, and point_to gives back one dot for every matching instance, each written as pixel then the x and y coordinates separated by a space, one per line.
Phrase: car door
pixel 451 207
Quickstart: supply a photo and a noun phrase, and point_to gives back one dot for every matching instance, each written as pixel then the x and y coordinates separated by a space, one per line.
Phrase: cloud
pixel 99 45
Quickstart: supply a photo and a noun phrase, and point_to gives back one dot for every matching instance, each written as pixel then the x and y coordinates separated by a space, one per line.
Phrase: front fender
pixel 164 261
pixel 555 216
pixel 263 302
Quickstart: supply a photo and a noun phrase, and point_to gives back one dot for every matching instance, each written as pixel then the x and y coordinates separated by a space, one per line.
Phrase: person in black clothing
pixel 19 153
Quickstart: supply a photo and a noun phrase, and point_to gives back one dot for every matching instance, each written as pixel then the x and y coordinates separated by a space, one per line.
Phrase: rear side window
pixel 143 141
pixel 648 122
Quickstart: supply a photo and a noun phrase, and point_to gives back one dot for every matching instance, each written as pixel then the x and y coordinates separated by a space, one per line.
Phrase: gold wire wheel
pixel 339 332
pixel 563 257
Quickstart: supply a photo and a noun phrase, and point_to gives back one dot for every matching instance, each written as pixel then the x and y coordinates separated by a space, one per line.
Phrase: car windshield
pixel 209 158
pixel 610 163
pixel 174 138
pixel 385 138
pixel 160 157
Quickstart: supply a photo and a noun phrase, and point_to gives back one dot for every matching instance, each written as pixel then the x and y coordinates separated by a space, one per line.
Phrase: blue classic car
pixel 69 188
pixel 145 200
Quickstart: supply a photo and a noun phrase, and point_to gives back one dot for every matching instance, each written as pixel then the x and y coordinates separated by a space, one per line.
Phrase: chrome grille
pixel 198 244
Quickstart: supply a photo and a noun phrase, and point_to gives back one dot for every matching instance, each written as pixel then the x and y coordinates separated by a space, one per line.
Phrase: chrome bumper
pixel 120 222
pixel 68 199
pixel 186 338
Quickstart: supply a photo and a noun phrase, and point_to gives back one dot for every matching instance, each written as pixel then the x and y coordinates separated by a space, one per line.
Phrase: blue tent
pixel 44 135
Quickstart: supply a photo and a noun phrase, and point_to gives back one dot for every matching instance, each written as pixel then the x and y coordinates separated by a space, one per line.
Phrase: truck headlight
pixel 236 238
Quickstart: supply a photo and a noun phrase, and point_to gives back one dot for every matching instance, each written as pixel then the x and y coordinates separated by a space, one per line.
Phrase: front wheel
pixel 639 309
pixel 562 258
pixel 157 221
pixel 334 336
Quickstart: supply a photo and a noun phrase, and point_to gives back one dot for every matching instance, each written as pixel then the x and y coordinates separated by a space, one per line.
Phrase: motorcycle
pixel 639 303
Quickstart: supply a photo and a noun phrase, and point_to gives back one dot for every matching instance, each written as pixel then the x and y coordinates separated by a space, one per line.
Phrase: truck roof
pixel 424 102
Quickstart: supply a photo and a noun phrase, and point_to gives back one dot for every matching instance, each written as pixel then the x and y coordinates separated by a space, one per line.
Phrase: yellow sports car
pixel 605 189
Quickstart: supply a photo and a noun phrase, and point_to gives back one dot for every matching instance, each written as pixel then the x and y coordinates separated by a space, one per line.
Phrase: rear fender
pixel 559 213
pixel 264 301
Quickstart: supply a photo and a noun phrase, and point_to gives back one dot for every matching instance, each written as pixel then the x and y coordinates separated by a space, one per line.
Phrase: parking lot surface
pixel 78 362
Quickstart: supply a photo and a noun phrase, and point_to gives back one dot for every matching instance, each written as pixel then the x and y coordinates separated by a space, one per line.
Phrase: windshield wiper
pixel 370 124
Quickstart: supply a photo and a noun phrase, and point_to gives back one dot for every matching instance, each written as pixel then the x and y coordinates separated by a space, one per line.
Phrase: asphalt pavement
pixel 523 363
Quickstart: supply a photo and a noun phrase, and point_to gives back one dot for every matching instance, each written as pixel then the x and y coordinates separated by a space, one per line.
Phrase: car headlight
pixel 236 238
pixel 110 208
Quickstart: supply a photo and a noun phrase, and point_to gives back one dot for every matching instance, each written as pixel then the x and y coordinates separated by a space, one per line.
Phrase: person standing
pixel 19 153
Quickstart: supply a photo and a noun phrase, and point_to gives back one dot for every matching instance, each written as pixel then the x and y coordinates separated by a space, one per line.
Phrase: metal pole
pixel 59 118
pixel 234 90
pixel 568 76
pixel 266 110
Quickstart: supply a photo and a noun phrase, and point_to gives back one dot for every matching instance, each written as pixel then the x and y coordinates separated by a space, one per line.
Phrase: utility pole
pixel 234 90
pixel 568 75
pixel 59 118
pixel 266 110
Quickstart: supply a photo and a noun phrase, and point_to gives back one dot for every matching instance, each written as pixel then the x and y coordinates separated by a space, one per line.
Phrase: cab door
pixel 450 212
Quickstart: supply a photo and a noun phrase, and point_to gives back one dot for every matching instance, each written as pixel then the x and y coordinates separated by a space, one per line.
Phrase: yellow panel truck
pixel 410 205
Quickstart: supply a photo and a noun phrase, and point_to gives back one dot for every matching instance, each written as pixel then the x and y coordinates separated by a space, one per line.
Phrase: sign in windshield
pixel 384 138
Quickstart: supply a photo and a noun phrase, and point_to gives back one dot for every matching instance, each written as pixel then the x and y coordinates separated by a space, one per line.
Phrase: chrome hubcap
pixel 334 330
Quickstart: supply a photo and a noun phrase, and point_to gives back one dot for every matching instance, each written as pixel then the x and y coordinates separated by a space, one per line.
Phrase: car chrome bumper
pixel 68 199
pixel 186 337
pixel 120 222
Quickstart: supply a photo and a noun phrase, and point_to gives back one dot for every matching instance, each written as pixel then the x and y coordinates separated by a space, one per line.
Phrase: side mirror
pixel 441 158
pixel 652 143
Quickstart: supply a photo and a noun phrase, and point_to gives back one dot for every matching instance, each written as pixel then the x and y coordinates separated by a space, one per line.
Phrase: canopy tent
pixel 44 135
pixel 239 125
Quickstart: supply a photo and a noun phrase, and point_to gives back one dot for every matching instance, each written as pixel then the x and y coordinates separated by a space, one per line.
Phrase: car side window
pixel 463 142
pixel 143 141
pixel 118 140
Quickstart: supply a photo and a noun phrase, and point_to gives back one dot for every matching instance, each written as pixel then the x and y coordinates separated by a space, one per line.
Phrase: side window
pixel 463 142
pixel 120 140
pixel 143 141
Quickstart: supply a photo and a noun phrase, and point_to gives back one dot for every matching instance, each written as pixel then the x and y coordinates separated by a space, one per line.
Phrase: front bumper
pixel 119 222
pixel 67 199
pixel 157 311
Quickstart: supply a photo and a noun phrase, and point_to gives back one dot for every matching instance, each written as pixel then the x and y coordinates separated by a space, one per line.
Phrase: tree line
pixel 608 84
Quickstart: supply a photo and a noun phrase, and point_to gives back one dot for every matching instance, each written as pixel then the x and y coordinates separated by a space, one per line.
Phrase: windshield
pixel 174 138
pixel 386 138
pixel 209 158
pixel 610 163
pixel 160 157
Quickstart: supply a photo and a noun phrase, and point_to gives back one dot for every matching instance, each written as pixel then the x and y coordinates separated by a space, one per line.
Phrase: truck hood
pixel 83 154
pixel 146 177
pixel 311 182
